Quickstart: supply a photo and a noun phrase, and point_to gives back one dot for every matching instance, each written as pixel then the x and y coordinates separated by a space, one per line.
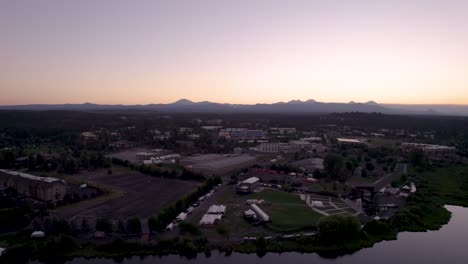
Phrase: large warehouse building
pixel 41 188
pixel 219 165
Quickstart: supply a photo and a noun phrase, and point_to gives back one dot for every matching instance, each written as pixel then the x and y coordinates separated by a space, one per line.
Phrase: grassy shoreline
pixel 437 186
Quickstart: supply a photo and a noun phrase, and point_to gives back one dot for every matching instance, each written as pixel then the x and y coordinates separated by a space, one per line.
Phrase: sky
pixel 242 51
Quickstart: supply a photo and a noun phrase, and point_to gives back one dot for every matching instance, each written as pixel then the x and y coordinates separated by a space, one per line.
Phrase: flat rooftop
pixel 29 176
pixel 349 140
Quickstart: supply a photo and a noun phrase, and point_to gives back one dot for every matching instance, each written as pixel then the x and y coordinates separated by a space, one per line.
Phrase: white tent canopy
pixel 217 209
pixel 181 217
pixel 210 219
pixel 170 227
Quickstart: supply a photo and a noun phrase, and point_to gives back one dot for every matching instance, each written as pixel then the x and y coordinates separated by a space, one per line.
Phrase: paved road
pixel 401 168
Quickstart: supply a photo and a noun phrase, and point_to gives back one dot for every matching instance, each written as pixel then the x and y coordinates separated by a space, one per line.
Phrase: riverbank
pixel 446 245
pixel 425 211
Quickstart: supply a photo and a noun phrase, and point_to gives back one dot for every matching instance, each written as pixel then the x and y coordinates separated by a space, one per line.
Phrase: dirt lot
pixel 134 194
pixel 129 154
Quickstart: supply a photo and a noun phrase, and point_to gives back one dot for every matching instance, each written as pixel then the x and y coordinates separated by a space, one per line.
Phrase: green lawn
pixel 291 217
pixel 287 210
pixel 276 197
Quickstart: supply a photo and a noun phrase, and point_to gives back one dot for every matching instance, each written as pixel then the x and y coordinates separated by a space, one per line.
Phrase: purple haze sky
pixel 239 51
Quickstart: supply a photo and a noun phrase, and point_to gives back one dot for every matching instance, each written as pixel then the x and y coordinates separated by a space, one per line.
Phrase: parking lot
pixel 134 195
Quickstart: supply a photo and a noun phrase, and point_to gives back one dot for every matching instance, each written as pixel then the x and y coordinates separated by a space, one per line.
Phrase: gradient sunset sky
pixel 238 51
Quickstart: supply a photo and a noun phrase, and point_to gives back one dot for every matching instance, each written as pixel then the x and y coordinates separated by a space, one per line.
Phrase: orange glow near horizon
pixel 241 52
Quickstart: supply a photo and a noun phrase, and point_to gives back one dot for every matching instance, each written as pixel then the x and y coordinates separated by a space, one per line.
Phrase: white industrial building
pixel 260 214
pixel 429 148
pixel 349 141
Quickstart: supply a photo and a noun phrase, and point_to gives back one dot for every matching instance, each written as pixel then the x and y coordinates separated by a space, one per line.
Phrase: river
pixel 448 245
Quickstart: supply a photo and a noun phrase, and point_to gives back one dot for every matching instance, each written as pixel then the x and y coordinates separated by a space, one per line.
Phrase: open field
pixel 450 182
pixel 272 196
pixel 137 195
pixel 287 211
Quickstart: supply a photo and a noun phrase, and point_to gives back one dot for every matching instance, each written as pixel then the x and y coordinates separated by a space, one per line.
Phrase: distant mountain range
pixel 294 106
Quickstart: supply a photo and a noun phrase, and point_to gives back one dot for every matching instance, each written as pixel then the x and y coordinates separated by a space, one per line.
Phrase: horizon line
pixel 230 103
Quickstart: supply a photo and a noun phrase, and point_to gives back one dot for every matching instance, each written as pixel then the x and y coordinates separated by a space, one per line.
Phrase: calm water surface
pixel 448 245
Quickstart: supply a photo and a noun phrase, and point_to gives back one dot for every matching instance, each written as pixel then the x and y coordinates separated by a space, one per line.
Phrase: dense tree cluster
pixel 336 228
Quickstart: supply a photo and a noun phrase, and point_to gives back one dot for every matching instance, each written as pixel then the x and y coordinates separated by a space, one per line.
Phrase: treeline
pixel 63 162
pixel 167 215
pixel 158 172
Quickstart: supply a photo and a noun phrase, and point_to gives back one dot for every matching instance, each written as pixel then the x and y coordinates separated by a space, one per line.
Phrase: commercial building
pixel 269 147
pixel 248 185
pixel 41 188
pixel 278 147
pixel 428 148
pixel 242 134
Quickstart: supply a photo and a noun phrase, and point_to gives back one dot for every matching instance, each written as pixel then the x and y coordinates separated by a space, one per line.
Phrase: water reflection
pixel 447 245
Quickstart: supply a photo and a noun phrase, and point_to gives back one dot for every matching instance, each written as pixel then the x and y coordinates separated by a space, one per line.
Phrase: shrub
pixel 336 228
